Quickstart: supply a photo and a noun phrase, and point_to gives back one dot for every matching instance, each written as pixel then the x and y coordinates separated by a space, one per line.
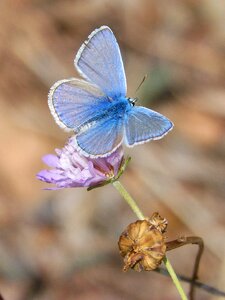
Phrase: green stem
pixel 130 201
pixel 174 278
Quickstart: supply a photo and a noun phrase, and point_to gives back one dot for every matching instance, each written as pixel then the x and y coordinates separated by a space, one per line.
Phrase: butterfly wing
pixel 73 103
pixel 143 124
pixel 102 138
pixel 99 61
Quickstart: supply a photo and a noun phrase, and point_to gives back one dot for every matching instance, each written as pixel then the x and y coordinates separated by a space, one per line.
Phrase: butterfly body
pixel 118 108
pixel 115 109
pixel 97 110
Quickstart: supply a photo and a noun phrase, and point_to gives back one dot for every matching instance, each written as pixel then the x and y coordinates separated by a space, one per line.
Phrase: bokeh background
pixel 63 244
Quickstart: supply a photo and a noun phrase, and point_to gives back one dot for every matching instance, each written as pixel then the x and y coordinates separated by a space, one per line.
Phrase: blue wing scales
pixel 102 138
pixel 143 124
pixel 99 61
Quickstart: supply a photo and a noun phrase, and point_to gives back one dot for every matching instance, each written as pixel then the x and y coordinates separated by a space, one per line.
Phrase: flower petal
pixel 51 160
pixel 72 169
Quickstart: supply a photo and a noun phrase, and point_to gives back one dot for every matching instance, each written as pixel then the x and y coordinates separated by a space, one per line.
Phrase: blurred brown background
pixel 63 244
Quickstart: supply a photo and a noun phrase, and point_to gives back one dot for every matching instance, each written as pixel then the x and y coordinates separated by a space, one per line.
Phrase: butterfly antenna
pixel 143 80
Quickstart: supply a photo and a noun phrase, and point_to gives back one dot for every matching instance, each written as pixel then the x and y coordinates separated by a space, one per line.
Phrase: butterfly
pixel 97 109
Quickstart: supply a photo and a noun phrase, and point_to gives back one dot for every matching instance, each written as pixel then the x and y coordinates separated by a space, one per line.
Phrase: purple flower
pixel 72 169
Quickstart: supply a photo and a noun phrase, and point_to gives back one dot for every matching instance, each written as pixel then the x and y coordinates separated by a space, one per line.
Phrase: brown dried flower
pixel 159 222
pixel 142 245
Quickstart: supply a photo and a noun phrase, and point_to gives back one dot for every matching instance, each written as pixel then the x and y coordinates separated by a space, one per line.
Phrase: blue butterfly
pixel 97 108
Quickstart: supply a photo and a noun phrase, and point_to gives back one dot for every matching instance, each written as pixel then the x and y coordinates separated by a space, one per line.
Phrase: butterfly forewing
pixel 74 102
pixel 99 61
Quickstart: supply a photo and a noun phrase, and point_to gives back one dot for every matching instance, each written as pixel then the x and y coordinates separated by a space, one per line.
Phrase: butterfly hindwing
pixel 74 102
pixel 143 124
pixel 99 61
pixel 102 138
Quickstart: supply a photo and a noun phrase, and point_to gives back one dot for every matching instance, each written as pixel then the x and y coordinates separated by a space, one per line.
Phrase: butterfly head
pixel 132 101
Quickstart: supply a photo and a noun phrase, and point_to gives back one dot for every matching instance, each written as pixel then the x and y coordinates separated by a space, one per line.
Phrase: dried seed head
pixel 142 246
pixel 158 222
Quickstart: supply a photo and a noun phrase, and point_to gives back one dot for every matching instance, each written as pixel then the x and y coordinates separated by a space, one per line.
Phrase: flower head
pixel 72 169
pixel 143 245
